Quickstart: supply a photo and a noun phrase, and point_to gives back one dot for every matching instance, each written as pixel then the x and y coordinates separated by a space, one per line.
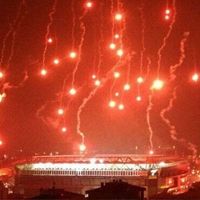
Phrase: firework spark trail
pixel 92 94
pixel 52 12
pixel 148 66
pixel 172 128
pixel 73 23
pixel 173 68
pixel 113 24
pixel 166 37
pixel 83 29
pixel 149 108
pixel 142 37
pixel 11 28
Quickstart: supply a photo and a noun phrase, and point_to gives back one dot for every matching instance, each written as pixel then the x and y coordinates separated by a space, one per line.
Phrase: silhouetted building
pixel 54 193
pixel 116 190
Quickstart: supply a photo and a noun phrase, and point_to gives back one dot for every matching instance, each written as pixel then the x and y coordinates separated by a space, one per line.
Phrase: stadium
pixel 83 172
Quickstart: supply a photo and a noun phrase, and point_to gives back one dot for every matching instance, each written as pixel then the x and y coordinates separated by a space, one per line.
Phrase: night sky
pixel 28 114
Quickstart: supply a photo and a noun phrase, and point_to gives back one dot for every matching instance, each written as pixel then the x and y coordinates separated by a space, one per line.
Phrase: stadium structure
pixel 83 172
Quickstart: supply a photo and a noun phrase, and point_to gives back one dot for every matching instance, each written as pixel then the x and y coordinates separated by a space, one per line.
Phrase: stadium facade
pixel 82 172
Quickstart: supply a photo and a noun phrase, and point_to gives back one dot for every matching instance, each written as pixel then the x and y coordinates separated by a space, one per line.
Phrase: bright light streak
pixel 50 40
pixel 88 4
pixel 43 72
pixel 127 87
pixel 157 84
pixel 120 52
pixel 140 80
pixel 64 129
pixel 112 46
pixel 112 104
pixel 195 77
pixel 118 16
pixel 82 148
pixel 97 82
pixel 60 111
pixel 56 61
pixel 72 54
pixel 121 106
pixel 72 91
pixel 138 98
